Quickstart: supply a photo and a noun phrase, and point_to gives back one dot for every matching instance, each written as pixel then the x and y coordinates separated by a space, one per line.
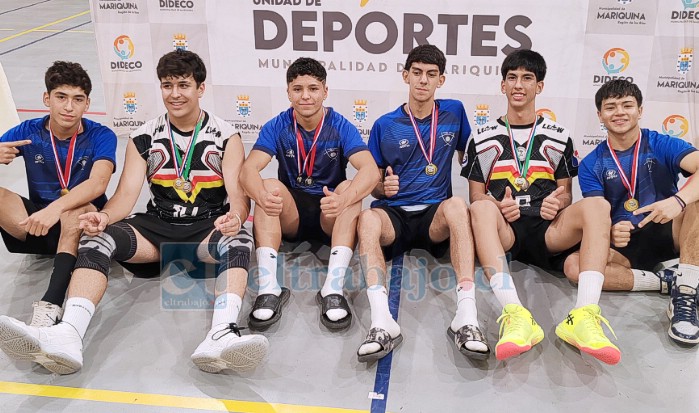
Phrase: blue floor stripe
pixel 24 7
pixel 383 368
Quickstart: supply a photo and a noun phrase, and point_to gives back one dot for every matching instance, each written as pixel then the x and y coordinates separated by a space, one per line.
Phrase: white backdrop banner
pixel 248 45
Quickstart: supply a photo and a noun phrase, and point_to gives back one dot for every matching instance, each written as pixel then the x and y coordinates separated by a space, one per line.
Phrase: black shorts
pixel 413 231
pixel 530 244
pixel 181 241
pixel 42 245
pixel 649 246
pixel 308 207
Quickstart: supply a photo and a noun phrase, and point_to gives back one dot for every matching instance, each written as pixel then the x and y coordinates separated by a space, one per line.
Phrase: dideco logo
pixel 187 5
pixel 242 106
pixel 546 113
pixel 130 103
pixel 690 4
pixel 359 110
pixel 676 126
pixel 125 50
pixel 179 41
pixel 684 60
pixel 614 61
pixel 481 115
pixel 689 13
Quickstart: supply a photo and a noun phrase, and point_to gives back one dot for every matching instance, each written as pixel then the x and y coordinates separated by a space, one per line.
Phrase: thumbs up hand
pixel 332 204
pixel 551 204
pixel 391 184
pixel 509 208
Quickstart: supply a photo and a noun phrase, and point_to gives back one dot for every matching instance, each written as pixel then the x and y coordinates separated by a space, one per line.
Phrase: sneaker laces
pixel 517 321
pixel 230 328
pixel 684 307
pixel 596 318
pixel 42 312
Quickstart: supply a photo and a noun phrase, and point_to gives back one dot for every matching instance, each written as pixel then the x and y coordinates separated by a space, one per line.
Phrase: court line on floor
pixel 161 400
pixel 44 38
pixel 4 39
pixel 383 367
pixel 24 7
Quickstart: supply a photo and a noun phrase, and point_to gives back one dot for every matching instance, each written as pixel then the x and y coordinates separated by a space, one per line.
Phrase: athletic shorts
pixel 412 230
pixel 42 245
pixel 181 240
pixel 530 244
pixel 308 207
pixel 649 246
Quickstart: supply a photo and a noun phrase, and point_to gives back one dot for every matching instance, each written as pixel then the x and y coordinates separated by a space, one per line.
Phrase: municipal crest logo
pixel 624 2
pixel 179 41
pixel 447 137
pixel 684 60
pixel 359 110
pixel 602 127
pixel 290 153
pixel 610 174
pixel 403 143
pixel 130 103
pixel 332 153
pixel 243 106
pixel 481 115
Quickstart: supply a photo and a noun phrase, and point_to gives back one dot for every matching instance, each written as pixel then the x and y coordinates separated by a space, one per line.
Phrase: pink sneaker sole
pixel 507 350
pixel 607 355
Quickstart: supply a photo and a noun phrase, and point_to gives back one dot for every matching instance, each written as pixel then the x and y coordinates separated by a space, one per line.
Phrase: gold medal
pixel 431 169
pixel 64 191
pixel 631 205
pixel 521 182
pixel 187 186
pixel 178 183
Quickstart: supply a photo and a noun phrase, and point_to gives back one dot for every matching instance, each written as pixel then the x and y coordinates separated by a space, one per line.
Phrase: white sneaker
pixel 45 314
pixel 58 348
pixel 225 348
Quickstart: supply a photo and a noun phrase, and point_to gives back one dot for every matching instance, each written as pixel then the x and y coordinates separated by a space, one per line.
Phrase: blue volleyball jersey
pixel 338 140
pixel 659 160
pixel 393 143
pixel 94 143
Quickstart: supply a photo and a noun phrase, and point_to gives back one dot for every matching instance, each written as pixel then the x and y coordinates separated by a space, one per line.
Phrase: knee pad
pixel 117 241
pixel 231 252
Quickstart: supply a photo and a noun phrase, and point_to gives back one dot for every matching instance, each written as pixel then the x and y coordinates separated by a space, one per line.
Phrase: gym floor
pixel 137 350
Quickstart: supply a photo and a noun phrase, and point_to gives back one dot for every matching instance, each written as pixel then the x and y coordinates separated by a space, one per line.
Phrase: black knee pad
pixel 117 241
pixel 231 252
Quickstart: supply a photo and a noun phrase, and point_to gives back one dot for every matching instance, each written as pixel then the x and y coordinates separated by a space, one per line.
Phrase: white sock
pixel 78 313
pixel 688 275
pixel 266 278
pixel 645 281
pixel 226 309
pixel 466 312
pixel 380 317
pixel 504 289
pixel 340 257
pixel 589 288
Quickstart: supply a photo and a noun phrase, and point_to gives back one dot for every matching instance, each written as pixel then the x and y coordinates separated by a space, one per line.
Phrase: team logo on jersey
pixel 616 60
pixel 359 110
pixel 130 103
pixel 332 153
pixel 481 115
pixel 447 137
pixel 403 143
pixel 546 113
pixel 243 106
pixel 82 162
pixel 684 60
pixel 38 158
pixel 290 153
pixel 179 41
pixel 610 174
pixel 649 164
pixel 123 47
pixel 676 126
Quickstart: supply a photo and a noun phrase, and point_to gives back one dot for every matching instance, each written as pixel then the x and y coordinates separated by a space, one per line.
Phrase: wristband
pixel 680 201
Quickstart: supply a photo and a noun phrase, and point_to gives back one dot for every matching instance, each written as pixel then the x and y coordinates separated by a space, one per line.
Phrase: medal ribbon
pixel 522 167
pixel 629 185
pixel 183 164
pixel 64 173
pixel 433 132
pixel 309 160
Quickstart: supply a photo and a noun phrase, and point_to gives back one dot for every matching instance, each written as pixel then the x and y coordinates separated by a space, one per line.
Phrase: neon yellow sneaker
pixel 519 332
pixel 583 329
